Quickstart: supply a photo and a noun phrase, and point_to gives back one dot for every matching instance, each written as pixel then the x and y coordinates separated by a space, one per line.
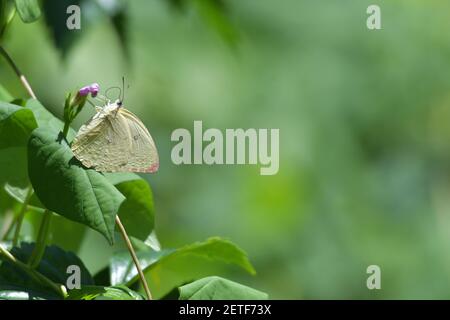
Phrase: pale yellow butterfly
pixel 115 140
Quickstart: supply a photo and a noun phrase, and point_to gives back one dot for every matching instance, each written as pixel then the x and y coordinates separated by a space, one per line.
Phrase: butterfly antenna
pixel 109 89
pixel 123 88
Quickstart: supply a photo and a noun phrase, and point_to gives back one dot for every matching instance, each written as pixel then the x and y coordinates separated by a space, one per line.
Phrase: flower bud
pixel 84 91
pixel 94 88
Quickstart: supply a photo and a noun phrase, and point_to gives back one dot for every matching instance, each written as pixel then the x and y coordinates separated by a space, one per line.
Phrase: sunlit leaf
pixel 217 288
pixel 123 271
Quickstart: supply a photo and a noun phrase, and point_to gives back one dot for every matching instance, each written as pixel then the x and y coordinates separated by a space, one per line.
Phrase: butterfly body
pixel 115 140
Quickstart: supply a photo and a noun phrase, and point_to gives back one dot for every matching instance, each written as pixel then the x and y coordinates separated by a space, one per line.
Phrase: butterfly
pixel 115 140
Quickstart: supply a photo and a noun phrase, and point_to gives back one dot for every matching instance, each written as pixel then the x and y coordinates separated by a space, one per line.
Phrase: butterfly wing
pixel 103 143
pixel 116 141
pixel 143 155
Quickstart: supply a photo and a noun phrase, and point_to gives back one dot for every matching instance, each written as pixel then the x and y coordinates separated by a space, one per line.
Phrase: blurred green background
pixel 364 119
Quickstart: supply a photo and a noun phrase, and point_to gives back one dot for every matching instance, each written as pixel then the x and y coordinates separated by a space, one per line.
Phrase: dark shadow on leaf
pixel 75 162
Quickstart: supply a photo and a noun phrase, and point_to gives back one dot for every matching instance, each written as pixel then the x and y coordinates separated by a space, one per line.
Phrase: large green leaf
pixel 136 212
pixel 53 265
pixel 104 293
pixel 28 10
pixel 16 124
pixel 217 288
pixel 123 271
pixel 64 186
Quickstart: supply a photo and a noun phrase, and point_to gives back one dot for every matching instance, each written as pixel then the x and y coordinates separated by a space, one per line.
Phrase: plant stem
pixel 134 257
pixel 41 241
pixel 60 289
pixel 66 129
pixel 21 216
pixel 17 71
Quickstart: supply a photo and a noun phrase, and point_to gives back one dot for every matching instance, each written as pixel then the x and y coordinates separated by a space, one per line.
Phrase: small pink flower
pixel 84 91
pixel 94 88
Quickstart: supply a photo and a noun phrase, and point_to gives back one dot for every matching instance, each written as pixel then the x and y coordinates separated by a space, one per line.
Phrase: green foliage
pixel 45 119
pixel 56 22
pixel 93 12
pixel 53 265
pixel 16 124
pixel 39 174
pixel 7 293
pixel 104 293
pixel 217 288
pixel 7 11
pixel 138 204
pixel 28 10
pixel 216 249
pixel 65 187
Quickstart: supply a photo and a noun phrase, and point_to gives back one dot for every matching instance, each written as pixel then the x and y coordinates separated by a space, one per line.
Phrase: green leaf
pixel 64 186
pixel 123 271
pixel 16 124
pixel 63 38
pixel 217 288
pixel 104 293
pixel 7 12
pixel 136 212
pixel 11 293
pixel 46 119
pixel 53 265
pixel 28 10
pixel 19 194
pixel 13 164
pixel 92 13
